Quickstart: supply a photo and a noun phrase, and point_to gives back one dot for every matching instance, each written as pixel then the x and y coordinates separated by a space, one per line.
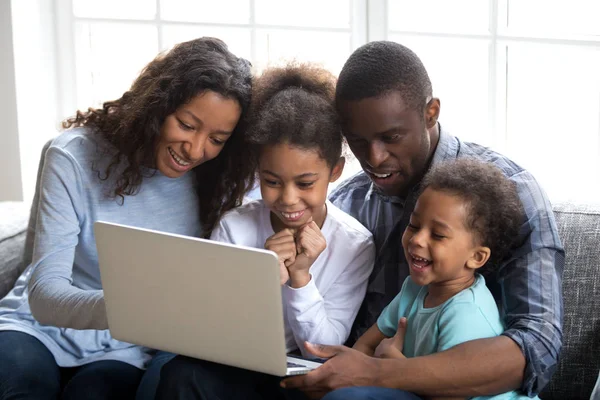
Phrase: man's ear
pixel 480 256
pixel 337 170
pixel 432 112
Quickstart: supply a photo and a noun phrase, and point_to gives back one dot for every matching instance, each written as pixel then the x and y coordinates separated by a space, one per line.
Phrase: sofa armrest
pixel 13 229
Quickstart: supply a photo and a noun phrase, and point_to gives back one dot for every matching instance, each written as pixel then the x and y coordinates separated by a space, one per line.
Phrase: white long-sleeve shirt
pixel 322 311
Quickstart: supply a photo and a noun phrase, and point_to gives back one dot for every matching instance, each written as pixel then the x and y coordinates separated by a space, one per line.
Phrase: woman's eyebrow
pixel 199 121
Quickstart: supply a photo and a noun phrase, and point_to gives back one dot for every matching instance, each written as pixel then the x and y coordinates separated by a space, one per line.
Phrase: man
pixel 390 118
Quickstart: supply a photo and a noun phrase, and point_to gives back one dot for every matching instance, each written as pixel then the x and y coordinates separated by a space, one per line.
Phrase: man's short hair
pixel 381 67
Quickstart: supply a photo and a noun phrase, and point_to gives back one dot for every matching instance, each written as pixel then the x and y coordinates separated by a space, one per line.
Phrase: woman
pixel 128 162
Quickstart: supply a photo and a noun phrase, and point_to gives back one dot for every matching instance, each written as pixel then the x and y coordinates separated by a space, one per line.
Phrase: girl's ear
pixel 337 170
pixel 480 256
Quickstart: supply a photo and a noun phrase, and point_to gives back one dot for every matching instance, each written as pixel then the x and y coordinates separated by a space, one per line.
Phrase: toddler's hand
pixel 392 347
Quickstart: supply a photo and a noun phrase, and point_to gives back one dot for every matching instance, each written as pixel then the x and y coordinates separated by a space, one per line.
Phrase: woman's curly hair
pixel 294 104
pixel 494 210
pixel 133 122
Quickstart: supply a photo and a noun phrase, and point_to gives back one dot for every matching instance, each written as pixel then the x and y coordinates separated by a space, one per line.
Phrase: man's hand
pixel 310 243
pixel 392 347
pixel 344 367
pixel 284 245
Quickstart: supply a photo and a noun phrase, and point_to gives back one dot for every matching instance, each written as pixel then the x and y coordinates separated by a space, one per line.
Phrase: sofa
pixel 579 229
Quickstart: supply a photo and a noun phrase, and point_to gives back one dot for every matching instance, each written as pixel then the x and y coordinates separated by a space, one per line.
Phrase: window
pixel 113 40
pixel 108 43
pixel 517 75
pixel 520 76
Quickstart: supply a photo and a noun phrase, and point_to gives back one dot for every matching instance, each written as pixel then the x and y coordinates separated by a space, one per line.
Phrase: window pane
pixel 555 17
pixel 331 49
pixel 109 56
pixel 237 39
pixel 130 9
pixel 553 117
pixel 221 11
pixel 458 69
pixel 312 13
pixel 439 16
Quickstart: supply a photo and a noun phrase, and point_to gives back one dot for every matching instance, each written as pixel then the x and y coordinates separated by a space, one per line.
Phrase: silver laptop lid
pixel 190 296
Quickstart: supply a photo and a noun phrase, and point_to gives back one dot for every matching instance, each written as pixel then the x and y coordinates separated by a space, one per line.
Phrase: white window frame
pixel 66 20
pixel 55 43
pixel 498 40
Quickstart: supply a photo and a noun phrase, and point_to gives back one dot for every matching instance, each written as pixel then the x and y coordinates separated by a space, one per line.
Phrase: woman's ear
pixel 480 256
pixel 337 170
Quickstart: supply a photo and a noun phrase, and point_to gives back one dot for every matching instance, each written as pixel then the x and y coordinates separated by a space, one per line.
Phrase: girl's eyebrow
pixel 305 175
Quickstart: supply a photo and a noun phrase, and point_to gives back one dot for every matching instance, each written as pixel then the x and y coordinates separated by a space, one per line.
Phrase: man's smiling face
pixel 390 140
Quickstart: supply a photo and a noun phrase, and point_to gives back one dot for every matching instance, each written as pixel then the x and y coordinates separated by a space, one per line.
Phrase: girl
pixel 325 255
pixel 463 224
pixel 167 155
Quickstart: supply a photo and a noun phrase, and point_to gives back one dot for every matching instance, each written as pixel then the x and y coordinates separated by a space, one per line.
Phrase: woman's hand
pixel 284 245
pixel 310 243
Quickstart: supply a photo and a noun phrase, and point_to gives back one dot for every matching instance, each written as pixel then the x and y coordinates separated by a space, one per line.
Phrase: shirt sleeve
pixel 221 233
pixel 53 298
pixel 461 322
pixel 531 282
pixel 327 320
pixel 387 322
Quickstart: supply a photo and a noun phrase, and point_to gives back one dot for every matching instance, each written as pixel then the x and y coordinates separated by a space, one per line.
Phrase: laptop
pixel 213 301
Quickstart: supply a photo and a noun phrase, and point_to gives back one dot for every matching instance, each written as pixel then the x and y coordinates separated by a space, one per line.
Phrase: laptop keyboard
pixel 294 365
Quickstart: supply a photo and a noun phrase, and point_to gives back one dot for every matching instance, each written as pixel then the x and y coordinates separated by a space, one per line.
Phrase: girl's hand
pixel 284 245
pixel 310 243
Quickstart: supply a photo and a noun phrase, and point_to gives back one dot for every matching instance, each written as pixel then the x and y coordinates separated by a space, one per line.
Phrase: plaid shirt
pixel 527 286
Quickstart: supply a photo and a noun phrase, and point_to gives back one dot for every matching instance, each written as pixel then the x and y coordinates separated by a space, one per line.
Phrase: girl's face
pixel 195 133
pixel 293 184
pixel 439 248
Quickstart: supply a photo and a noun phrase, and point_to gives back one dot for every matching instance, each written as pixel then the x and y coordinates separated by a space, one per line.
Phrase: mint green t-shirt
pixel 468 315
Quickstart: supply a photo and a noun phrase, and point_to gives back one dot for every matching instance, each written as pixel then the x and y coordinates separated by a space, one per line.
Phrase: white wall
pixel 10 165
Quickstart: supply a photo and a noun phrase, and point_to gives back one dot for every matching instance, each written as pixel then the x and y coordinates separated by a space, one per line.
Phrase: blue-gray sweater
pixel 62 285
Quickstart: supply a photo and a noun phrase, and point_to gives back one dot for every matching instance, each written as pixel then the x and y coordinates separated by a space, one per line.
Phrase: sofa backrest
pixel 579 230
pixel 16 235
pixel 13 226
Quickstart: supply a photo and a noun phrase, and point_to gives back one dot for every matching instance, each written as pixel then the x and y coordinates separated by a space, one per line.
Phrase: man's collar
pixel 447 148
pixel 374 191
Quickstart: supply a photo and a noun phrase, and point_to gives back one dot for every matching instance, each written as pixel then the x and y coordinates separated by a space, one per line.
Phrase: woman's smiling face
pixel 195 133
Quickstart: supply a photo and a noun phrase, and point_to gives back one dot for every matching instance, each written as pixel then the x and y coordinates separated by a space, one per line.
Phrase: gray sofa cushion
pixel 14 216
pixel 579 229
